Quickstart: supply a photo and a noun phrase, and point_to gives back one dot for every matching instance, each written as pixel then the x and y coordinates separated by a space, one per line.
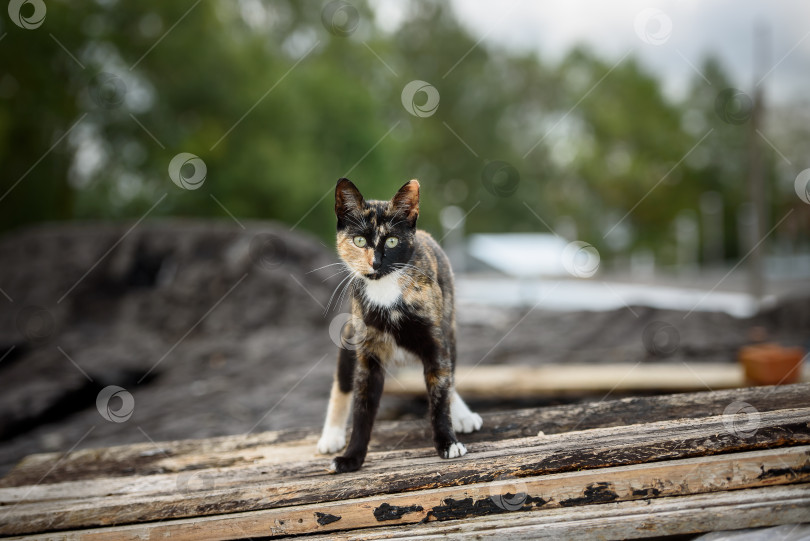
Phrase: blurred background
pixel 614 183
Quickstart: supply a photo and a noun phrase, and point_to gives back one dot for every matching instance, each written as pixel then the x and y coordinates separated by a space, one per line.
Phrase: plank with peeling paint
pixel 304 481
pixel 681 515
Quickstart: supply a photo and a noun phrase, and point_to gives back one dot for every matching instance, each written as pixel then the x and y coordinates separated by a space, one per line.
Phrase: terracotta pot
pixel 771 364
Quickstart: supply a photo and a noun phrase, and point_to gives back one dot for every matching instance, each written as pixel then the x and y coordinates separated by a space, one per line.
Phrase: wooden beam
pixel 499 381
pixel 162 497
pixel 187 456
pixel 513 497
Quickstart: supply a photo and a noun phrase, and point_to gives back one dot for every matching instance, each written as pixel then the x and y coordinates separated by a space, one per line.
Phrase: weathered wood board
pixel 275 484
pixel 656 518
pixel 230 451
pixel 572 489
pixel 498 381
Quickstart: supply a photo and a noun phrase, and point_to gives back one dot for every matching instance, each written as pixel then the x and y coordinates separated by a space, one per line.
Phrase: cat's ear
pixel 348 199
pixel 406 201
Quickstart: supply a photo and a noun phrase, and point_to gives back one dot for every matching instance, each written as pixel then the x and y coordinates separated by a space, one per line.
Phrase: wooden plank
pixel 506 496
pixel 751 508
pixel 306 482
pixel 268 447
pixel 147 458
pixel 499 381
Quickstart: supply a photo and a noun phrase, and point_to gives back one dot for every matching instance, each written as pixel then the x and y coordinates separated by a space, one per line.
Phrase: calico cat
pixel 402 303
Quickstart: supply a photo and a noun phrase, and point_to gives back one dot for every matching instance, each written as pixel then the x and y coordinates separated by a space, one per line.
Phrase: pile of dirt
pixel 210 329
pixel 203 323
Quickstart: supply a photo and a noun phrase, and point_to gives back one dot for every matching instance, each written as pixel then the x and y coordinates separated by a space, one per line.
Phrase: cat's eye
pixel 390 242
pixel 359 241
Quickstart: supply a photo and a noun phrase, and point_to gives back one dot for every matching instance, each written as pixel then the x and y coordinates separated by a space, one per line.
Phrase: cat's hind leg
pixel 440 390
pixel 333 437
pixel 464 420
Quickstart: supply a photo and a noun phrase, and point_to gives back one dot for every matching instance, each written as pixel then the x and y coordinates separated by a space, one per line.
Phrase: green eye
pixel 390 242
pixel 359 241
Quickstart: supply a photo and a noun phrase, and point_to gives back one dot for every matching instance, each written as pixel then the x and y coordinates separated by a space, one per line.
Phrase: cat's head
pixel 375 238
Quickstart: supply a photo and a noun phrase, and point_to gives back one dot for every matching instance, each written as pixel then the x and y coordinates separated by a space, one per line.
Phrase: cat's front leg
pixel 439 382
pixel 333 437
pixel 368 388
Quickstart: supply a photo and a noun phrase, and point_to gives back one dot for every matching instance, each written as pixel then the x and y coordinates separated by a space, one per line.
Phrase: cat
pixel 402 305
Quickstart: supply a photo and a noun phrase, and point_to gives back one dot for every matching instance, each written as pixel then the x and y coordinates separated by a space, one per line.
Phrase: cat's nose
pixel 376 262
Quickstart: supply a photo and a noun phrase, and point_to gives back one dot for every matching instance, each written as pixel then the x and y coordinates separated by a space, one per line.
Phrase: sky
pixel 670 37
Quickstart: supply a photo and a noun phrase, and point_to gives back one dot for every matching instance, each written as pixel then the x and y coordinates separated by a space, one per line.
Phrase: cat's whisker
pixel 393 225
pixel 413 283
pixel 341 271
pixel 351 288
pixel 407 265
pixel 326 310
pixel 361 224
pixel 329 265
pixel 351 284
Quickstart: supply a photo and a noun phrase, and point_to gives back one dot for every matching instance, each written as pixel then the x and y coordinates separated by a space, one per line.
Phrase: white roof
pixel 520 254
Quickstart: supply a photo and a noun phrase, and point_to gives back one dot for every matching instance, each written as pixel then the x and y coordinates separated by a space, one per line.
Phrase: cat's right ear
pixel 348 199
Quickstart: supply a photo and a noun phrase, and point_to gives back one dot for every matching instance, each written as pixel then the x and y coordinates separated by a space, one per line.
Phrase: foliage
pixel 279 108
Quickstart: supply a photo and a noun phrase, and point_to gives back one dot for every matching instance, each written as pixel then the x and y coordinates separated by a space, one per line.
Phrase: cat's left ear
pixel 406 201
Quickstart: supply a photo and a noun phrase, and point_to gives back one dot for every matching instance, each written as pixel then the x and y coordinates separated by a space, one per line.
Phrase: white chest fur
pixel 383 292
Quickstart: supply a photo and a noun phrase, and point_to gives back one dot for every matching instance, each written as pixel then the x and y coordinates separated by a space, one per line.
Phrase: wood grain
pixel 512 497
pixel 244 450
pixel 303 482
pixel 752 508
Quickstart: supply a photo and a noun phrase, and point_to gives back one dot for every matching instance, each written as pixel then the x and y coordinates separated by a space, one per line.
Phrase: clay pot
pixel 771 364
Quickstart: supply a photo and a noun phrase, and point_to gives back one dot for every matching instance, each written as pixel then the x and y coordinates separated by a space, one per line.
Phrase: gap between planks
pixel 26 511
pixel 138 460
pixel 518 498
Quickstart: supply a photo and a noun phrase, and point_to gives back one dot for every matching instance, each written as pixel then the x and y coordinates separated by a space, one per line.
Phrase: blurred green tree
pixel 281 98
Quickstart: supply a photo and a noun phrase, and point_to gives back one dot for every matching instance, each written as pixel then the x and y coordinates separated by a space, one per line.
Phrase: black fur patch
pixel 345 369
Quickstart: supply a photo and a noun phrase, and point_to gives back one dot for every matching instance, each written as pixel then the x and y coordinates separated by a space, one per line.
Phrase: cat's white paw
pixel 332 440
pixel 466 422
pixel 455 450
